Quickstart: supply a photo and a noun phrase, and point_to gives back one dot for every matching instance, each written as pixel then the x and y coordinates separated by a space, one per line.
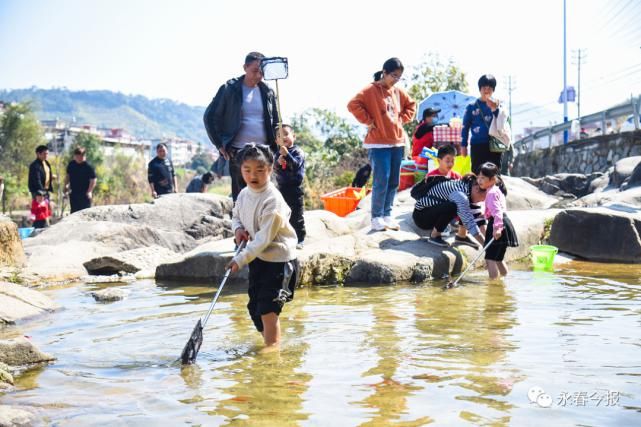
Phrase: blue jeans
pixel 386 169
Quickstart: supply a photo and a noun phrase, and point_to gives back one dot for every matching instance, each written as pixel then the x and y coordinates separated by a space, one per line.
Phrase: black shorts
pixel 271 285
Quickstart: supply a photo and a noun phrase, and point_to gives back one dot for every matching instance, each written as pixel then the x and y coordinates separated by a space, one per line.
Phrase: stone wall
pixel 596 154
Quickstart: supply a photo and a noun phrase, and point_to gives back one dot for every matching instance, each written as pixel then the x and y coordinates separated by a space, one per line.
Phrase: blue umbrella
pixel 452 103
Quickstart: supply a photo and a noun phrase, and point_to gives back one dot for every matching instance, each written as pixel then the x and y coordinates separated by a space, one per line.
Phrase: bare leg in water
pixel 271 330
pixel 492 268
pixel 502 268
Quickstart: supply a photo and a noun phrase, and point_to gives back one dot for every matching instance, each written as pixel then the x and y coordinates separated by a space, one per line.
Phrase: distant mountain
pixel 141 116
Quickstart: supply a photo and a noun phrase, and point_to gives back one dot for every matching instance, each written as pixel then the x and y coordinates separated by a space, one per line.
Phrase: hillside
pixel 141 116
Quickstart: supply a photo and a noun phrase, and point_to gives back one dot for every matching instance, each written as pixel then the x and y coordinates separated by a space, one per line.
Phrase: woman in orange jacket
pixel 384 108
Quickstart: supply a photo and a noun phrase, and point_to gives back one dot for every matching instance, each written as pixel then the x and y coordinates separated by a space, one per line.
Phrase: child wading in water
pixel 261 217
pixel 499 225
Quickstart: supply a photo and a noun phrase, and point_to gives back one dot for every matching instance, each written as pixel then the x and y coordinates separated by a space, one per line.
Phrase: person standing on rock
pixel 290 175
pixel 40 210
pixel 384 108
pixel 161 174
pixel 261 219
pixel 476 125
pixel 80 181
pixel 244 110
pixel 40 173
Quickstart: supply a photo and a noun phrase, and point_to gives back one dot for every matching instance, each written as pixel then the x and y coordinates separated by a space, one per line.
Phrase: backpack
pixel 421 189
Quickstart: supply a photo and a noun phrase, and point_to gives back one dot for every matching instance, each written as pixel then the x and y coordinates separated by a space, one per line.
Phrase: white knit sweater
pixel 265 215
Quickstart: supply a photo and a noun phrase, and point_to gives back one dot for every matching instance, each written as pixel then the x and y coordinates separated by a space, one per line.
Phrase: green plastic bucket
pixel 543 256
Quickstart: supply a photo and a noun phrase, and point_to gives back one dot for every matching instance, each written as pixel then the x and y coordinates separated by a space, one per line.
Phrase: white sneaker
pixel 378 224
pixel 391 223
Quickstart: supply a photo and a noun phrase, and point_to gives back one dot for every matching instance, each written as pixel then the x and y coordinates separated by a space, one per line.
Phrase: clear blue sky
pixel 185 50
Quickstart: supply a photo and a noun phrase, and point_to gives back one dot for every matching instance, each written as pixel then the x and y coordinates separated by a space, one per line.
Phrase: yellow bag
pixel 462 164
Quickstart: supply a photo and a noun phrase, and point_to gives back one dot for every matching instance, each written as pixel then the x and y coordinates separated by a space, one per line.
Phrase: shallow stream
pixel 369 356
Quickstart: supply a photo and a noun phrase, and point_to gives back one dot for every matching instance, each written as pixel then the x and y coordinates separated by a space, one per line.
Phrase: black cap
pixel 429 111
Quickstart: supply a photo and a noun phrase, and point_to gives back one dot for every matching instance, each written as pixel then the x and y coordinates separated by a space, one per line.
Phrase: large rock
pixel 176 222
pixel 576 184
pixel 6 378
pixel 18 302
pixel 11 252
pixel 610 196
pixel 623 169
pixel 21 352
pixel 205 263
pixel 131 261
pixel 15 417
pixel 343 250
pixel 634 180
pixel 607 234
pixel 523 195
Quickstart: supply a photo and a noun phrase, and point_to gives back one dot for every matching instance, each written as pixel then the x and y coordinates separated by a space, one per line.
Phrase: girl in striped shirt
pixel 443 202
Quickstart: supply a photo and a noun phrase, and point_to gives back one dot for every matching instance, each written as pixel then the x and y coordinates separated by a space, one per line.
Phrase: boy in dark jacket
pixel 290 172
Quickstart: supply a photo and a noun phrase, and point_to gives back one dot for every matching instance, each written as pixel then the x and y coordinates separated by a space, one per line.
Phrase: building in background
pixel 60 137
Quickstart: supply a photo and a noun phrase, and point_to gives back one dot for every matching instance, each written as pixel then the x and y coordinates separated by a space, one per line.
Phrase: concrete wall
pixel 591 155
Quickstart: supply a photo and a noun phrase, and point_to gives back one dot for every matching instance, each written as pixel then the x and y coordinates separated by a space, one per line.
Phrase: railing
pixel 633 107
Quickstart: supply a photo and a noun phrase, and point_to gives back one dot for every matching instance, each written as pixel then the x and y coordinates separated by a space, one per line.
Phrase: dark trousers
pixel 79 203
pixel 438 216
pixel 41 223
pixel 481 153
pixel 295 198
pixel 237 181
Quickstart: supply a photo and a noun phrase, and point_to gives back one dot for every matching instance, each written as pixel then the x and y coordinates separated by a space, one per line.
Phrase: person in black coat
pixel 161 174
pixel 40 173
pixel 244 110
pixel 80 181
pixel 290 175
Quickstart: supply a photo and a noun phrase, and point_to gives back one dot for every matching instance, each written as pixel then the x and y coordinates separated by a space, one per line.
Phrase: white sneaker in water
pixel 391 223
pixel 378 224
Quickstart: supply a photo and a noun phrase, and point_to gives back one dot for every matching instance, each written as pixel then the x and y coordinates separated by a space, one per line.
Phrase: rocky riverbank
pixel 186 237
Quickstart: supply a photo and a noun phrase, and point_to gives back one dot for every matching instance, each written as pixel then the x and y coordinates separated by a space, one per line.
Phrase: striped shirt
pixel 451 191
pixel 477 212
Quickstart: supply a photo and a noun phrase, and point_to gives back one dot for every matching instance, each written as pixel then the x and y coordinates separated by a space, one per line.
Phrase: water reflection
pixel 390 390
pixel 463 336
pixel 374 356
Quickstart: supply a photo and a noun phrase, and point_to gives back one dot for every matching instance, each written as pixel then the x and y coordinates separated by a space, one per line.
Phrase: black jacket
pixel 37 177
pixel 222 116
pixel 294 172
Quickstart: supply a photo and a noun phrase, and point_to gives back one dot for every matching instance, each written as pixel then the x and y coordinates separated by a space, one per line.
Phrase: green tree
pixel 332 151
pixel 433 75
pixel 20 134
pixel 201 160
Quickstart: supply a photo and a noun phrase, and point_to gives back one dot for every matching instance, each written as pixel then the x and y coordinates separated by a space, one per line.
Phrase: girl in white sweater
pixel 261 217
